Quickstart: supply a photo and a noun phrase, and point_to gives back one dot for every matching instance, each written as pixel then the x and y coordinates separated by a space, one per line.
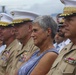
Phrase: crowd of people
pixel 31 44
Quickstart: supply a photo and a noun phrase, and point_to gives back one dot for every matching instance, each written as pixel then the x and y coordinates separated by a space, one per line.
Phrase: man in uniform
pixel 65 64
pixel 23 24
pixel 61 40
pixel 7 34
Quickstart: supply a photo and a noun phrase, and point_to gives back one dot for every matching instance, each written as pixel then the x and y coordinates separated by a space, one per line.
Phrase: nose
pixel 56 36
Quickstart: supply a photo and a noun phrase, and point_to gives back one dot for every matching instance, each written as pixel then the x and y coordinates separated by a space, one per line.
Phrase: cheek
pixel 5 32
pixel 7 35
pixel 72 29
pixel 40 34
pixel 20 30
pixel 43 36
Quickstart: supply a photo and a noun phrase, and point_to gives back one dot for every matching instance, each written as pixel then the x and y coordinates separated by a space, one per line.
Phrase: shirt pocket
pixel 69 70
pixel 3 61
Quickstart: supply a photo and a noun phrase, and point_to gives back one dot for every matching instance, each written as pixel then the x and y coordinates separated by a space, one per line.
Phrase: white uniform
pixel 2 48
pixel 61 45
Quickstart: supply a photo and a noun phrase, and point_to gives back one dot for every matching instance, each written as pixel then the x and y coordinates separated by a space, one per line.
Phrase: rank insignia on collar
pixel 69 60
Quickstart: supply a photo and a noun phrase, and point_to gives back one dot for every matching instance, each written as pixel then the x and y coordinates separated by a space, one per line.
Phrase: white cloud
pixel 40 6
pixel 20 2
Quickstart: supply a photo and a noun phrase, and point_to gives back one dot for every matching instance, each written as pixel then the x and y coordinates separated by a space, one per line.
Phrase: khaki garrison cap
pixel 5 19
pixel 23 16
pixel 69 9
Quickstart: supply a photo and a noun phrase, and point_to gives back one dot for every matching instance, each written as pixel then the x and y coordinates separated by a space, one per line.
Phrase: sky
pixel 42 7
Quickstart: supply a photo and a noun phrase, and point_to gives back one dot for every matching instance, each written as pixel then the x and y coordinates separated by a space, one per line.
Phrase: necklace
pixel 40 52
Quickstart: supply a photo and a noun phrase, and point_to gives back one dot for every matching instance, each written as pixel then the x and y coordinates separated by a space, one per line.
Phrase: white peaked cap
pixel 5 19
pixel 70 7
pixel 70 3
pixel 20 16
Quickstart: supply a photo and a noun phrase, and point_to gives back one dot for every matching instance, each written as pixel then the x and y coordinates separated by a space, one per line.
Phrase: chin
pixel 36 44
pixel 18 38
pixel 67 35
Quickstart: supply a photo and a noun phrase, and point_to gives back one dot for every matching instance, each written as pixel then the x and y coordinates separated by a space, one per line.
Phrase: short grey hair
pixel 45 22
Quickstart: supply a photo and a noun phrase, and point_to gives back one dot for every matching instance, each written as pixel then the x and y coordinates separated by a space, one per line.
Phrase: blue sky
pixel 42 7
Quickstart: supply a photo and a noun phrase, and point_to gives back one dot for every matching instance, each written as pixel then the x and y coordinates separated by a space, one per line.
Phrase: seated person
pixel 43 32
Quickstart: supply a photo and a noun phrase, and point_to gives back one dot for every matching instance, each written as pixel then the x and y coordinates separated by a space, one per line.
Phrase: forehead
pixel 69 17
pixel 20 24
pixel 2 28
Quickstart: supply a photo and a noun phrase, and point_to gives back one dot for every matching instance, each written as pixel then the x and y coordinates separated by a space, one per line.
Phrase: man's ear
pixel 13 30
pixel 30 26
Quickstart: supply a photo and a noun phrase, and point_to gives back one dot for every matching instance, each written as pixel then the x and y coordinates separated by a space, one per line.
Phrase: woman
pixel 43 32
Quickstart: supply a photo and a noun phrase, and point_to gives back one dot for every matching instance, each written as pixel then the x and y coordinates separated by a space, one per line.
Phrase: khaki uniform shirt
pixel 7 55
pixel 65 64
pixel 21 56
